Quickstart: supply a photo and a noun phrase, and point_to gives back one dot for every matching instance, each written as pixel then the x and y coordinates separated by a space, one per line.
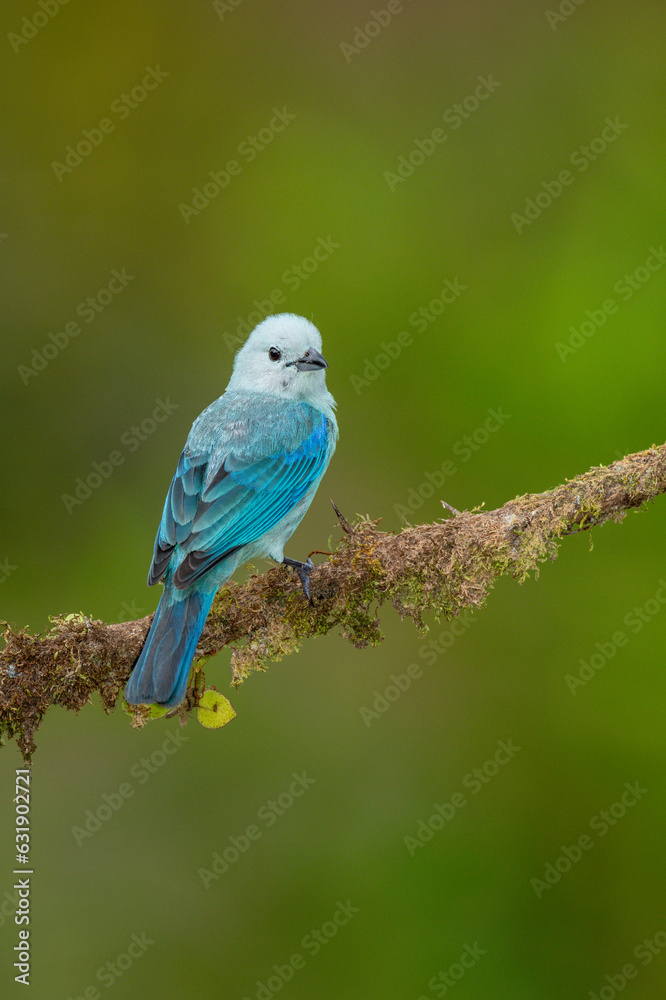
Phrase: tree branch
pixel 435 568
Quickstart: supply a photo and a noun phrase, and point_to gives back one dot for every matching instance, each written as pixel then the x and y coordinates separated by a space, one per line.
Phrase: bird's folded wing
pixel 224 497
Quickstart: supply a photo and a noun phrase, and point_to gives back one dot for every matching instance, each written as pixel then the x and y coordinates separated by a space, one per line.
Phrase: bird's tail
pixel 161 672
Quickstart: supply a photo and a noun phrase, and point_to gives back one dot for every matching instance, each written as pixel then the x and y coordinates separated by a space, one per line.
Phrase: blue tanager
pixel 249 470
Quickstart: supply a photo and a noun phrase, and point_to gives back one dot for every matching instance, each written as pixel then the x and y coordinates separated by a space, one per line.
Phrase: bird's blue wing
pixel 180 508
pixel 223 497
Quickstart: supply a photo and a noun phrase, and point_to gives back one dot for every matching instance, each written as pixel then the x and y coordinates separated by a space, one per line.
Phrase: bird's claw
pixel 303 569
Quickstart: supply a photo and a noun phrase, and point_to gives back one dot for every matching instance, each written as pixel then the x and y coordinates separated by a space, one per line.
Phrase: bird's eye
pixel 274 354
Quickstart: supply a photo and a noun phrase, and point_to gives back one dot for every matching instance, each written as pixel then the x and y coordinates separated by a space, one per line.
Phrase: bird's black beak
pixel 311 361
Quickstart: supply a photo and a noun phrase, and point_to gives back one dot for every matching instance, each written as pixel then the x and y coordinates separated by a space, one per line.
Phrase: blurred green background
pixel 359 101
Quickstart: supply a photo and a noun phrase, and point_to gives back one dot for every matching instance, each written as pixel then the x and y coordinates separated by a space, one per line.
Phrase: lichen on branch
pixel 437 568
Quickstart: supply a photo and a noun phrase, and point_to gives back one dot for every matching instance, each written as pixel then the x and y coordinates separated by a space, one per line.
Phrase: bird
pixel 248 472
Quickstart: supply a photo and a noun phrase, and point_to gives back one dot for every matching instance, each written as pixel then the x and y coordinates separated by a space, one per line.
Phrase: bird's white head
pixel 282 357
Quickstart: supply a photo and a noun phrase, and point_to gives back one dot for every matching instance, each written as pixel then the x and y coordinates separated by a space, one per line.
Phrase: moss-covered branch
pixel 433 568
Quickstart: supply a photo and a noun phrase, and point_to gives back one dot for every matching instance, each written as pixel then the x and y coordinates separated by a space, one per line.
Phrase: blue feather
pixel 160 674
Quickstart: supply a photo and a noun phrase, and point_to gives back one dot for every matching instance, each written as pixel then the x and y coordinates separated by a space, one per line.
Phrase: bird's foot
pixel 303 569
